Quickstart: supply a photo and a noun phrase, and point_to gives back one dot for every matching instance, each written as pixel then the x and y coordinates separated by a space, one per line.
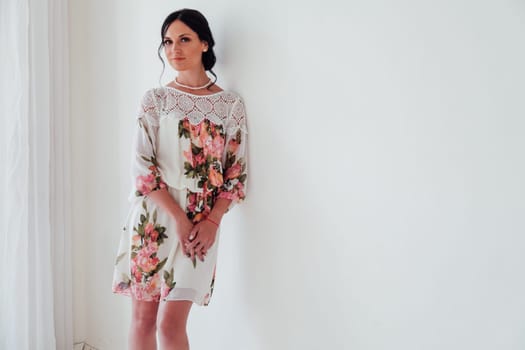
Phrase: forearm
pixel 166 201
pixel 219 209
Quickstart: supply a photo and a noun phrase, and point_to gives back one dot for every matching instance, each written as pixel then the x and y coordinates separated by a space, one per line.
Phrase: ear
pixel 204 46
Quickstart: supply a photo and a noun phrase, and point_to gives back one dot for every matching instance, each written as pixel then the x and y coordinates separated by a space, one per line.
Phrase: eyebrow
pixel 167 37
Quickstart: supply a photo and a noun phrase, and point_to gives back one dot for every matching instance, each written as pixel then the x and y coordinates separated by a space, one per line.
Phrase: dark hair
pixel 198 23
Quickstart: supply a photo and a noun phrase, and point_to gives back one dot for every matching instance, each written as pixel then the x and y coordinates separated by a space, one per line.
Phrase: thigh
pixel 144 310
pixel 174 314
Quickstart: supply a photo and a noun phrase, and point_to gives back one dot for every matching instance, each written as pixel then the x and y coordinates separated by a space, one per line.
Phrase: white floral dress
pixel 195 146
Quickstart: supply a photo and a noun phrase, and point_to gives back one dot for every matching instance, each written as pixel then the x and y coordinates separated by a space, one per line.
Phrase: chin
pixel 179 68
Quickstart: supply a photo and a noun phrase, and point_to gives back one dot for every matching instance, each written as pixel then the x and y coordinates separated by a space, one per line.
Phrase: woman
pixel 189 168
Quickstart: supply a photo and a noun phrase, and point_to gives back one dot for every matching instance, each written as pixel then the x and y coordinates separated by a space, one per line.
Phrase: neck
pixel 193 78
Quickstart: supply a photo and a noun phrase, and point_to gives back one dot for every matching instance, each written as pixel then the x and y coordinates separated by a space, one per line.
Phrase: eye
pixel 167 42
pixel 185 39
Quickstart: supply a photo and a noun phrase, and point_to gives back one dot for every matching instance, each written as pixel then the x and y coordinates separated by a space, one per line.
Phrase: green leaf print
pixel 195 149
pixel 153 160
pixel 160 265
pixel 155 216
pixel 238 136
pixel 120 257
pixel 209 201
pixel 183 131
pixel 168 278
pixel 142 218
pixel 230 160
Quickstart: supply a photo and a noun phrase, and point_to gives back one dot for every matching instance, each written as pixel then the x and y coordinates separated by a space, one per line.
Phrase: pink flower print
pixel 233 145
pixel 152 248
pixel 136 272
pixel 186 124
pixel 149 229
pixel 136 240
pixel 165 290
pixel 147 264
pixel 240 190
pixel 215 147
pixel 138 292
pixel 195 131
pixel 192 202
pixel 153 285
pixel 146 184
pixel 154 235
pixel 153 169
pixel 212 128
pixel 189 157
pixel 203 135
pixel 215 178
pixel 234 171
pixel 144 260
pixel 199 159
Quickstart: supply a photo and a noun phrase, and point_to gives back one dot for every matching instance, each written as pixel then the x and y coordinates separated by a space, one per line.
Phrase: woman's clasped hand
pixel 197 239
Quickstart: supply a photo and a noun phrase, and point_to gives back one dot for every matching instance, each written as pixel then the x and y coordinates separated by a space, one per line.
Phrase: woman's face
pixel 183 47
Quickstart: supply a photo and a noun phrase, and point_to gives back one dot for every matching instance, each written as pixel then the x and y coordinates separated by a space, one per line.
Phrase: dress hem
pixel 127 293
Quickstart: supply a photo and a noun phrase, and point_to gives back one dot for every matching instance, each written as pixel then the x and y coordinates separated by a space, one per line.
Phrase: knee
pixel 144 323
pixel 172 327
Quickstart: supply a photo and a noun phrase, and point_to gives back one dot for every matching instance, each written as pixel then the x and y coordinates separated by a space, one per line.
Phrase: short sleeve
pixel 235 170
pixel 145 171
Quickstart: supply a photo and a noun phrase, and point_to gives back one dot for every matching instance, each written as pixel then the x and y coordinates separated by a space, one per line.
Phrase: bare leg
pixel 173 316
pixel 143 325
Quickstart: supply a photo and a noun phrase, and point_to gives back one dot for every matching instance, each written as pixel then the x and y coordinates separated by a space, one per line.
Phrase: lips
pixel 177 58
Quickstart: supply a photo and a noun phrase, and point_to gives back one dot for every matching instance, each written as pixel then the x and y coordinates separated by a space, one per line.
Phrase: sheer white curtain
pixel 35 260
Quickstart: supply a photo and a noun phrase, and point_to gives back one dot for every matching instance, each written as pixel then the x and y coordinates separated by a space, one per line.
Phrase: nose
pixel 173 49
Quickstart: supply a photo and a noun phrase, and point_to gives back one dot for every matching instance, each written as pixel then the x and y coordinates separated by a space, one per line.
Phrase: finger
pixel 200 254
pixel 191 245
pixel 197 245
pixel 193 233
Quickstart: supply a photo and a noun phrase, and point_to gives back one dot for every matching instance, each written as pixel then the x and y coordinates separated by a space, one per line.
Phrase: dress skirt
pixel 150 264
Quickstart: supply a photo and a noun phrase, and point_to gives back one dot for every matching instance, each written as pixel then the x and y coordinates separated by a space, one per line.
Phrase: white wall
pixel 386 192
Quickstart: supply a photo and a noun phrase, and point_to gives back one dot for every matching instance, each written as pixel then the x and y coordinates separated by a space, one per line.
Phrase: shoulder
pixel 150 97
pixel 237 103
pixel 237 112
pixel 232 97
pixel 149 106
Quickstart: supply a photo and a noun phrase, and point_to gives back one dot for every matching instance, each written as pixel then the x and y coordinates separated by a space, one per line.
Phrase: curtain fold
pixel 35 289
pixel 61 174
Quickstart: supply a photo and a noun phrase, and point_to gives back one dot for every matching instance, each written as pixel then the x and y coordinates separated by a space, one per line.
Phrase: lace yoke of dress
pixel 215 107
